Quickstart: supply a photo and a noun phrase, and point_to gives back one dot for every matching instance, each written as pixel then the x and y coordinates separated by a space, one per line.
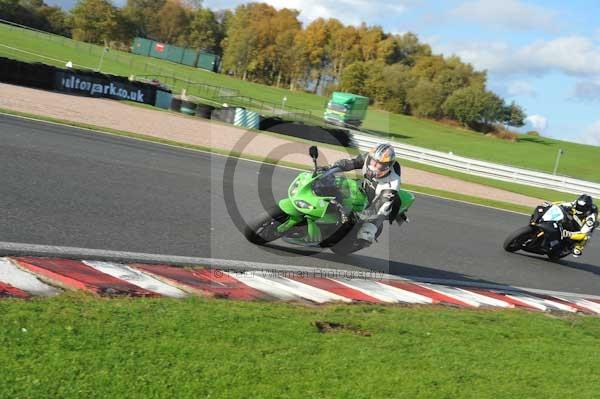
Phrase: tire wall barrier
pixel 308 132
pixel 226 114
pixel 175 104
pixel 188 107
pixel 246 118
pixel 204 110
pixel 73 81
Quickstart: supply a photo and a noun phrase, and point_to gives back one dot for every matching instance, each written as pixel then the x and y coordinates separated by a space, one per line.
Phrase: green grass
pixel 80 346
pixel 537 153
pixel 529 152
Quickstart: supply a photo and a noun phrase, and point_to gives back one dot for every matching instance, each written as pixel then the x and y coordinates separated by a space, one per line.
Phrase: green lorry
pixel 346 109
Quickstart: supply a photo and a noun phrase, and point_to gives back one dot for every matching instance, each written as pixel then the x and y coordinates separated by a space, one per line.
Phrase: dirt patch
pixel 331 327
pixel 201 132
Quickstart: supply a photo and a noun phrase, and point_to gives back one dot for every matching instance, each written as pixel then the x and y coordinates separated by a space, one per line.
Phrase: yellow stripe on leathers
pixel 579 237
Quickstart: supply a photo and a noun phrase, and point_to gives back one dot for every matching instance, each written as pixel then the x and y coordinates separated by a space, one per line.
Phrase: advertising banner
pixel 98 85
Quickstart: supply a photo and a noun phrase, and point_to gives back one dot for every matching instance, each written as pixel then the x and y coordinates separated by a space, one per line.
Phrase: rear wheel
pixel 346 248
pixel 348 244
pixel 516 239
pixel 264 228
pixel 560 253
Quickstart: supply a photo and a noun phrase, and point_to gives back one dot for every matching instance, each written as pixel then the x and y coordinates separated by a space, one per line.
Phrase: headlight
pixel 303 205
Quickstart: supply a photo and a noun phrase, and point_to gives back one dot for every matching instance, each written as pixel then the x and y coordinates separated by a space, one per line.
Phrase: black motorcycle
pixel 544 235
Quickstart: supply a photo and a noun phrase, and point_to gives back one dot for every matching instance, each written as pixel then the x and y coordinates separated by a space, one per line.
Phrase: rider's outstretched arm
pixel 350 164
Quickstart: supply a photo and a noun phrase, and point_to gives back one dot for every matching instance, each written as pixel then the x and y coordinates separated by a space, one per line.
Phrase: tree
pixel 58 20
pixel 240 47
pixel 344 48
pixel 143 15
pixel 514 115
pixel 474 107
pixel 408 48
pixel 376 87
pixel 205 31
pixel 300 70
pixel 35 14
pixel 370 38
pixel 262 44
pixel 96 21
pixel 399 82
pixel 354 78
pixel 425 99
pixel 388 51
pixel 316 40
pixel 174 23
pixel 285 28
pixel 428 67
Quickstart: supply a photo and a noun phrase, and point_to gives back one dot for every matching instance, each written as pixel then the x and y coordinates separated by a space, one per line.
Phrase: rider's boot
pixel 578 248
pixel 367 233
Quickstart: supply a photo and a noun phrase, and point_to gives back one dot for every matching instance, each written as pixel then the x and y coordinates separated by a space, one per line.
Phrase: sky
pixel 545 55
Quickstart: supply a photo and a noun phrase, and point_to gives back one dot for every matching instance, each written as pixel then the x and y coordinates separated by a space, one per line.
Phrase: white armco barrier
pixel 481 168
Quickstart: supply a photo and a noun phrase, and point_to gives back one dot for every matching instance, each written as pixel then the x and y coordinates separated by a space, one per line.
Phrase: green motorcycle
pixel 307 217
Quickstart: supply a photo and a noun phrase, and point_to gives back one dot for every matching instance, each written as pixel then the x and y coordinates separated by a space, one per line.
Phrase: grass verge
pixel 81 346
pixel 534 192
pixel 137 136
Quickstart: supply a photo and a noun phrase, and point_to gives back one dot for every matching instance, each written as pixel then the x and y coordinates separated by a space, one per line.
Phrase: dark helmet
pixel 583 204
pixel 380 161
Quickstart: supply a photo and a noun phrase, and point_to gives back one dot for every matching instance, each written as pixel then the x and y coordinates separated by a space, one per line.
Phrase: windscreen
pixel 554 214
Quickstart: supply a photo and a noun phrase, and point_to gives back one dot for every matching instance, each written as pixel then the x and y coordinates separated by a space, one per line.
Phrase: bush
pixel 474 107
pixel 533 133
pixel 499 132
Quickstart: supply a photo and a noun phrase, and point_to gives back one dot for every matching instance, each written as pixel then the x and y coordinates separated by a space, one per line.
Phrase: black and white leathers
pixel 382 192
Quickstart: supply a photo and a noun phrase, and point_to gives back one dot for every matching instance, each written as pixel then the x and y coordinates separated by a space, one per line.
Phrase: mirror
pixel 314 152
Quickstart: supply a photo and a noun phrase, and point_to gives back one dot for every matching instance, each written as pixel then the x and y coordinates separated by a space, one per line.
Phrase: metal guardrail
pixel 481 168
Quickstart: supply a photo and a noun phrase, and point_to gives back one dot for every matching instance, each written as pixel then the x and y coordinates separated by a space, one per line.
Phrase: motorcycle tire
pixel 262 230
pixel 514 241
pixel 345 249
pixel 558 255
pixel 348 244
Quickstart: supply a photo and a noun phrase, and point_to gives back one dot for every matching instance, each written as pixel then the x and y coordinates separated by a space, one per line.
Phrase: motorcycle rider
pixel 381 181
pixel 582 219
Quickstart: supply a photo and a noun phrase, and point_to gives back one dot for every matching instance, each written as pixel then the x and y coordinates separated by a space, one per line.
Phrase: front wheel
pixel 516 239
pixel 264 228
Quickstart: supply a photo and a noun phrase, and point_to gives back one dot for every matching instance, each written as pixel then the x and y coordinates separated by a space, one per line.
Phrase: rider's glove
pixel 323 169
pixel 567 234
